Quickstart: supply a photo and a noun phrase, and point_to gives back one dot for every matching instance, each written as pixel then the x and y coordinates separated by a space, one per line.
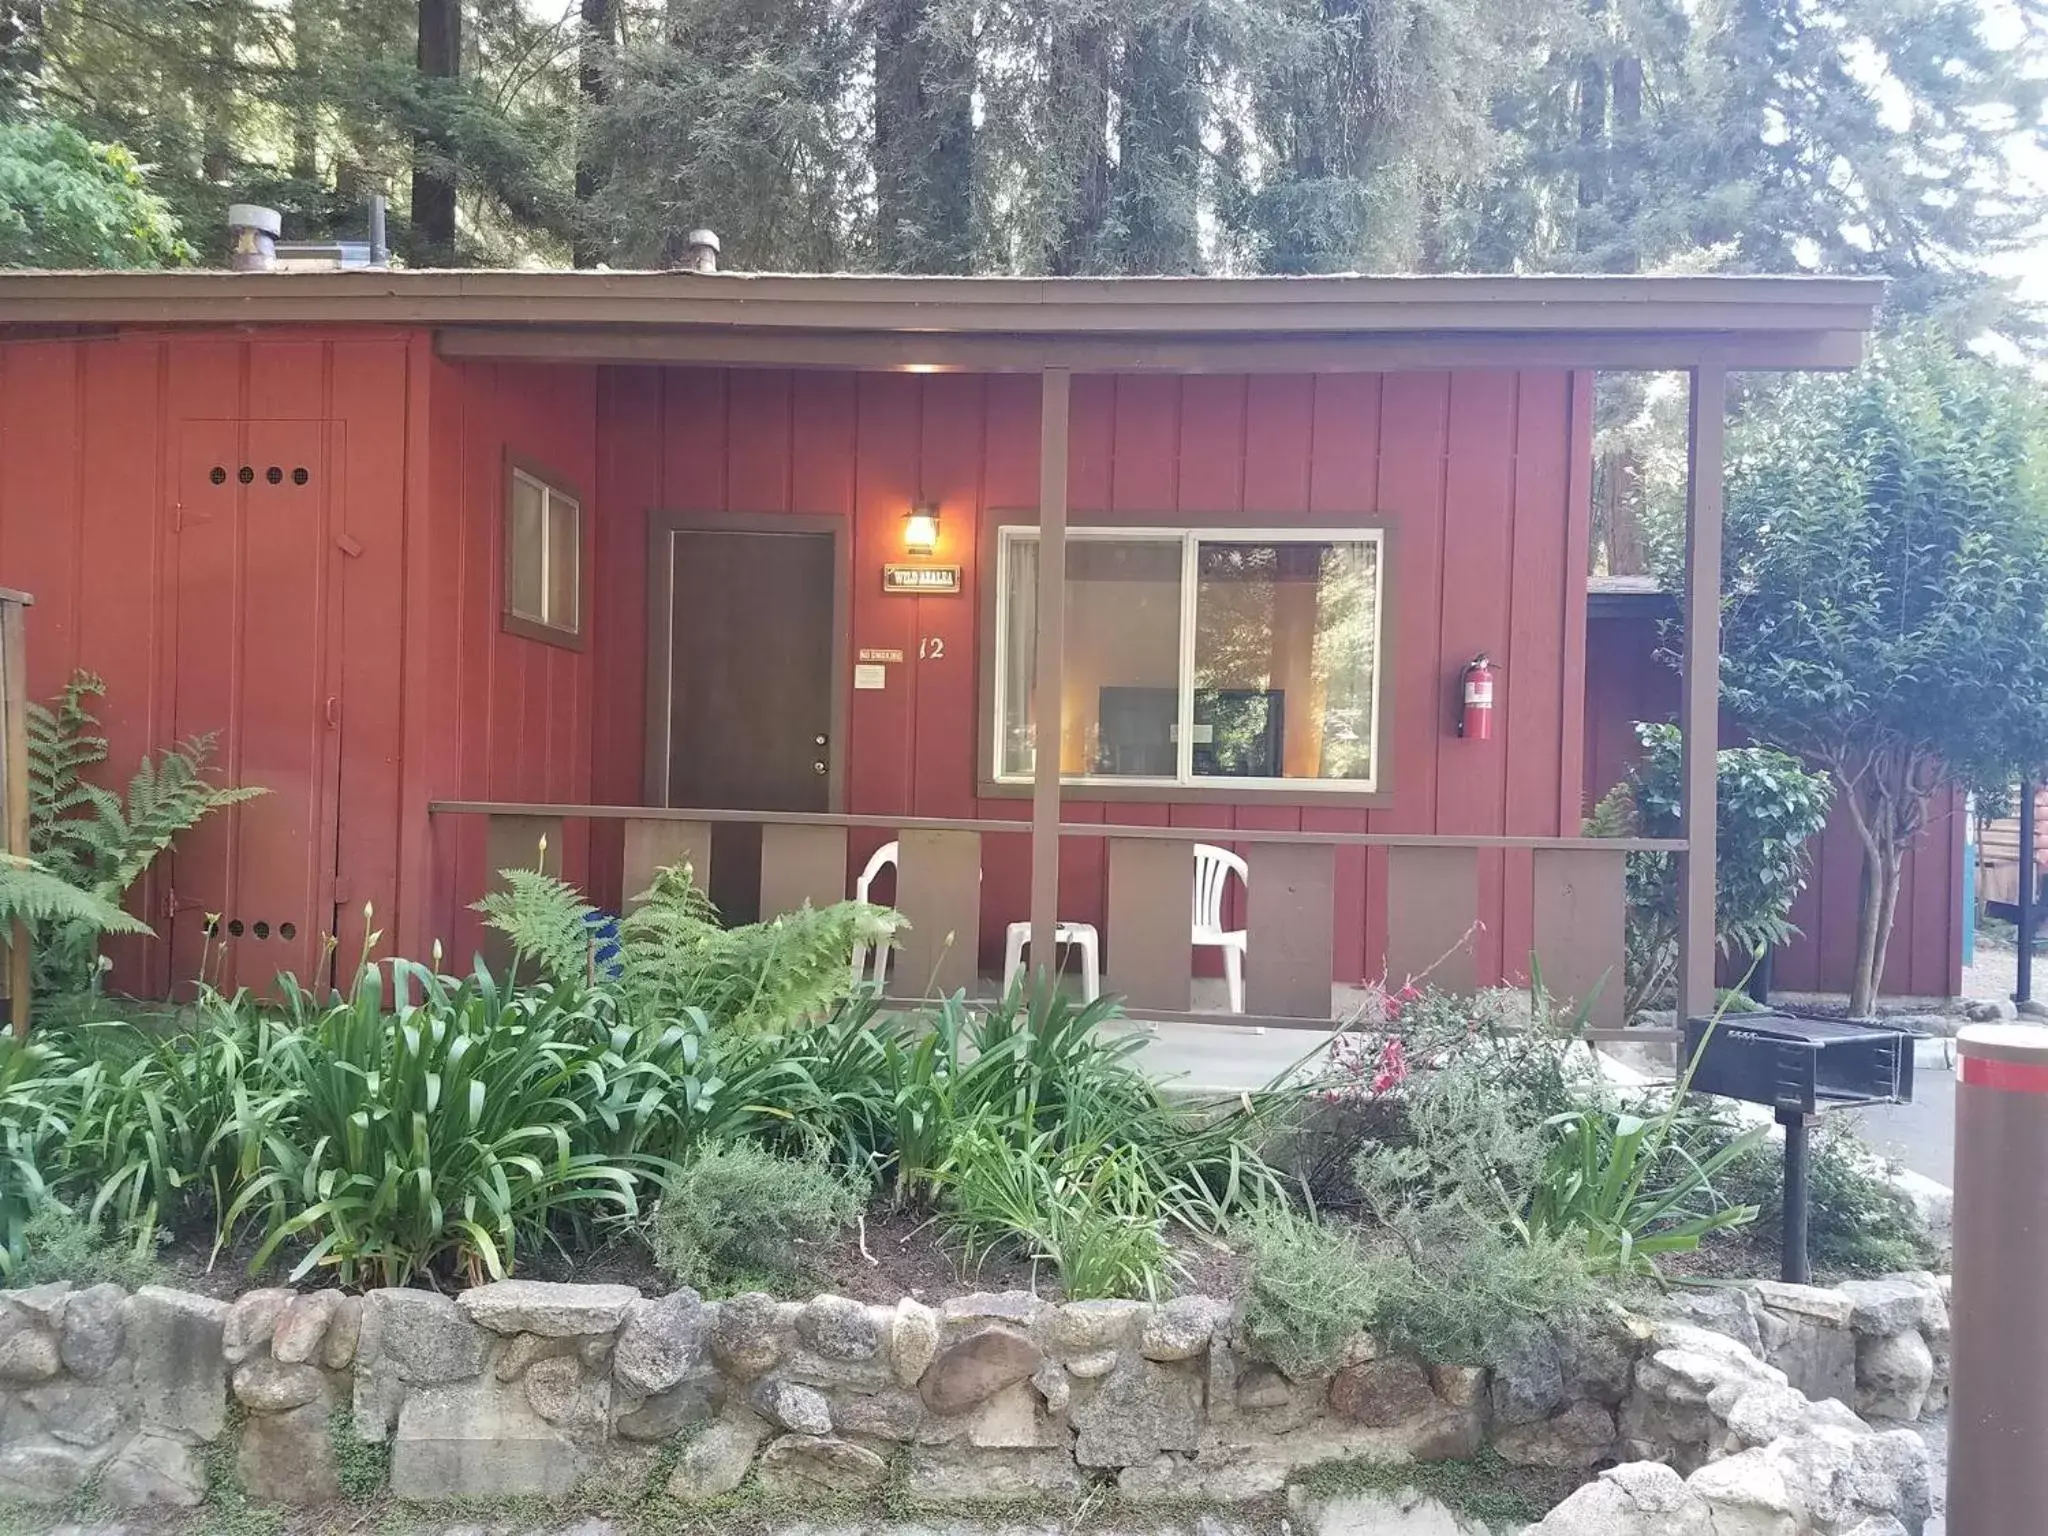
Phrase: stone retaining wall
pixel 524 1388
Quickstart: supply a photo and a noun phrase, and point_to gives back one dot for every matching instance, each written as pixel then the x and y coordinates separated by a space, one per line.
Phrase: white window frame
pixel 546 627
pixel 1191 540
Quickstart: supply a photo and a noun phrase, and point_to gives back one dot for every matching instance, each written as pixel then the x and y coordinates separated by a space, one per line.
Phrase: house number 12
pixel 932 648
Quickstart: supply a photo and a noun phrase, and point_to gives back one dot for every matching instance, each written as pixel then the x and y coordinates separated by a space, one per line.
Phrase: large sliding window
pixel 1231 657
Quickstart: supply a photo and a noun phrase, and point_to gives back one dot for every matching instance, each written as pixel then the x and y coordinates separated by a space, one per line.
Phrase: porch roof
pixel 1168 324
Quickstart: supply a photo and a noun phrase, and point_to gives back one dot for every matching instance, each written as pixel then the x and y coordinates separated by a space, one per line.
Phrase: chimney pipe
pixel 700 247
pixel 252 237
pixel 380 253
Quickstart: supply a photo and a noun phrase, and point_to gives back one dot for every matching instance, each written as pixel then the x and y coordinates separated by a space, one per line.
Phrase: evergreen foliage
pixel 65 202
pixel 1078 136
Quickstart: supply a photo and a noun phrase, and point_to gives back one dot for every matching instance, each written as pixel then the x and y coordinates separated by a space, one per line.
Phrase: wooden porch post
pixel 1051 648
pixel 1700 706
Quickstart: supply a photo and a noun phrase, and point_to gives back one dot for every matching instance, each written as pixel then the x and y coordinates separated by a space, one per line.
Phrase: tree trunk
pixel 1157 181
pixel 433 169
pixel 1887 803
pixel 1592 133
pixel 216 150
pixel 1080 89
pixel 924 143
pixel 21 57
pixel 593 83
pixel 1863 976
pixel 305 107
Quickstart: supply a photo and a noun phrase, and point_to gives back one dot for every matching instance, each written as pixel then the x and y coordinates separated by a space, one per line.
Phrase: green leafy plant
pixel 675 955
pixel 740 1217
pixel 171 1130
pixel 1309 1292
pixel 38 1089
pixel 62 919
pixel 1085 1210
pixel 547 922
pixel 1768 807
pixel 446 1133
pixel 362 1468
pixel 899 1092
pixel 1626 1186
pixel 94 840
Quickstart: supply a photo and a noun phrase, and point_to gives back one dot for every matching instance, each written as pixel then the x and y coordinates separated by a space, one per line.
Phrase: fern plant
pixel 675 955
pixel 94 840
pixel 547 922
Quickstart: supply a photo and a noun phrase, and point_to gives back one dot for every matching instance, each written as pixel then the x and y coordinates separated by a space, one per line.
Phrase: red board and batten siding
pixel 344 636
pixel 502 717
pixel 268 613
pixel 1472 469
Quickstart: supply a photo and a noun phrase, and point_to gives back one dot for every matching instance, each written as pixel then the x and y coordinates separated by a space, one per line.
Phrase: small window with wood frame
pixel 543 558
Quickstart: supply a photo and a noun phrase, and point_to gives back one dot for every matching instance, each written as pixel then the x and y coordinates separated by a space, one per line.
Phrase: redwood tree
pixel 1887 570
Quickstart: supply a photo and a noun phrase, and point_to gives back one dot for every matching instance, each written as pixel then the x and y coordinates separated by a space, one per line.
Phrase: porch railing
pixel 1432 904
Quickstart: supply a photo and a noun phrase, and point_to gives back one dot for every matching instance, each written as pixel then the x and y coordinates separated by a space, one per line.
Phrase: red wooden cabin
pixel 453 560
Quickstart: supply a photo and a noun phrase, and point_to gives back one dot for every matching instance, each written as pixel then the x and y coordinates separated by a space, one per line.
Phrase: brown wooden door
pixel 751 672
pixel 750 668
pixel 750 693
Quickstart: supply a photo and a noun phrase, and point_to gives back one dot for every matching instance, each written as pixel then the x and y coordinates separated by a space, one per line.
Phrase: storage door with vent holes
pixel 257 609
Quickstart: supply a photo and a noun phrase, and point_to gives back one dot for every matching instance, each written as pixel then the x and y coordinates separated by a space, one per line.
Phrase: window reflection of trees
pixel 1258 608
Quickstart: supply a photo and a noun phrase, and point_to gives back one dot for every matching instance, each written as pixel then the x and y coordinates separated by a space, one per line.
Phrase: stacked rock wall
pixel 524 1388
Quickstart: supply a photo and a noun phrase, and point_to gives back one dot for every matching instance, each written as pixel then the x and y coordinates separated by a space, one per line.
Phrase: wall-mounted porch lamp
pixel 921 528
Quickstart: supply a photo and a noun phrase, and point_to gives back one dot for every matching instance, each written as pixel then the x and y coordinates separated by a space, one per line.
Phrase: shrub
pixel 739 1217
pixel 1309 1291
pixel 1767 806
pixel 1459 1275
pixel 59 1244
pixel 1456 1288
pixel 1859 1222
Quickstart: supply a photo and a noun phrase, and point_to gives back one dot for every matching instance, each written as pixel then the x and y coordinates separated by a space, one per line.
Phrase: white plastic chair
pixel 870 964
pixel 1081 936
pixel 884 858
pixel 1213 868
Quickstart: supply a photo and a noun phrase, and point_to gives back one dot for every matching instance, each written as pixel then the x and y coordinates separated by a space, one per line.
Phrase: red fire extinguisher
pixel 1475 720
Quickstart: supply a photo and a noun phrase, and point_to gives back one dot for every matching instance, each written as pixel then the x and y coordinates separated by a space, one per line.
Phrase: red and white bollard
pixel 1998 1404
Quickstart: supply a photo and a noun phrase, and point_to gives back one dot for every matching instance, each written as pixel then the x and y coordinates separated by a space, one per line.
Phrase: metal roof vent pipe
pixel 700 251
pixel 252 237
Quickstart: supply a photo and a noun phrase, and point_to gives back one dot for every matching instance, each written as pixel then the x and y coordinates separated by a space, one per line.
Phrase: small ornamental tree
pixel 1886 565
pixel 1768 805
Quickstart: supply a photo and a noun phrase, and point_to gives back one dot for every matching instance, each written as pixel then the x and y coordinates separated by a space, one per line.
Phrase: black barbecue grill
pixel 1800 1067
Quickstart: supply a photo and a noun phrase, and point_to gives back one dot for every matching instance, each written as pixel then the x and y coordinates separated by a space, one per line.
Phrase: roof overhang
pixel 1168 324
